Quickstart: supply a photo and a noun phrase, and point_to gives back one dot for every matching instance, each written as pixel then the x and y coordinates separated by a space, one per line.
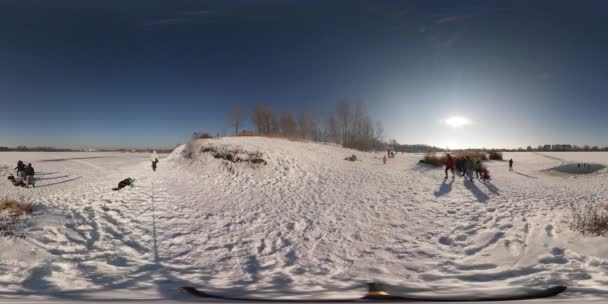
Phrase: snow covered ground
pixel 306 222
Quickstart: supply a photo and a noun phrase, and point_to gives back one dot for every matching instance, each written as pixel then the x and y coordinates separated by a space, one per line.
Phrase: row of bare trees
pixel 349 125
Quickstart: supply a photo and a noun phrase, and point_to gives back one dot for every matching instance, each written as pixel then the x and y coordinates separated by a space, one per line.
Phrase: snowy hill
pixel 304 220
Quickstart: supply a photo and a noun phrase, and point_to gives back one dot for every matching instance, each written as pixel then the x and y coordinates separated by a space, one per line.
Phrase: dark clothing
pixel 29 171
pixel 29 175
pixel 154 165
pixel 510 165
pixel 123 183
pixel 20 167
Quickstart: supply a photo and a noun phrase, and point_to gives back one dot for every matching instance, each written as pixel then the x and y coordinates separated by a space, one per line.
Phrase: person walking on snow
pixel 478 168
pixel 384 159
pixel 449 165
pixel 20 168
pixel 29 175
pixel 511 164
pixel 469 166
pixel 154 159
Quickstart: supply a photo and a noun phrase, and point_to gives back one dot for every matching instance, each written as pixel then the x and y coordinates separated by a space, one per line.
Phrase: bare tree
pixel 343 118
pixel 258 118
pixel 268 119
pixel 332 128
pixel 287 124
pixel 236 118
pixel 379 130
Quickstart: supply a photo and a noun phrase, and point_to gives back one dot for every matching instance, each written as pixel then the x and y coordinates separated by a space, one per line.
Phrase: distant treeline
pixel 414 148
pixel 52 149
pixel 36 149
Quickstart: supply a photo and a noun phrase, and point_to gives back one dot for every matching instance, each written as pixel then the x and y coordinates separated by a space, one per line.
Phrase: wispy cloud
pixel 181 18
pixel 166 21
pixel 455 18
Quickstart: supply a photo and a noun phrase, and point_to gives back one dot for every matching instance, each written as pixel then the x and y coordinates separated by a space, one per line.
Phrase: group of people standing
pixel 585 166
pixel 25 174
pixel 466 166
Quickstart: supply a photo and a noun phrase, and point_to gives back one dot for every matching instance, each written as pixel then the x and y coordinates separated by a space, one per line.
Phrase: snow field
pixel 306 221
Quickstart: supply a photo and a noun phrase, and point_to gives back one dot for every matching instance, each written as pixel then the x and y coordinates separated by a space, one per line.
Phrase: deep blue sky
pixel 149 73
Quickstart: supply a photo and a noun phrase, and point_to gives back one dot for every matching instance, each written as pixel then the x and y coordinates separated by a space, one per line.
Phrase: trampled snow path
pixel 306 221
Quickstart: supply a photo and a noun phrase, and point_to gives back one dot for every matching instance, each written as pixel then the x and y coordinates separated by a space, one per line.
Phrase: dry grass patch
pixel 434 159
pixel 11 213
pixel 14 207
pixel 589 219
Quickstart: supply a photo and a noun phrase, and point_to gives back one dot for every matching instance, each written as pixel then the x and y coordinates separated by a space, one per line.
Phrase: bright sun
pixel 457 121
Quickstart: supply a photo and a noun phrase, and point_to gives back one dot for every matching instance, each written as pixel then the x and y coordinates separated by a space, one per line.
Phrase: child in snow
pixel 384 159
pixel 16 182
pixel 449 165
pixel 511 164
pixel 485 174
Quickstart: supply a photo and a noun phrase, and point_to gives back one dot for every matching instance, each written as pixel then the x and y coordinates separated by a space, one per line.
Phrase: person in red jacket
pixel 449 165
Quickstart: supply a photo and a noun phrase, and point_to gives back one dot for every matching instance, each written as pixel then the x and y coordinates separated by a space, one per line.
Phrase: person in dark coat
pixel 29 175
pixel 20 168
pixel 123 183
pixel 511 164
pixel 154 159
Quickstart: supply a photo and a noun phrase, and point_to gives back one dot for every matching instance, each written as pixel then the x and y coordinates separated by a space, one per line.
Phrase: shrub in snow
pixel 12 215
pixel 234 155
pixel 494 155
pixel 589 219
pixel 434 159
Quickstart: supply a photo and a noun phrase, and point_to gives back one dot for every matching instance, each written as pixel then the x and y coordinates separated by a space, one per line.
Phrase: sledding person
pixel 18 182
pixel 511 164
pixel 154 159
pixel 477 168
pixel 449 165
pixel 29 175
pixel 469 166
pixel 20 168
pixel 123 183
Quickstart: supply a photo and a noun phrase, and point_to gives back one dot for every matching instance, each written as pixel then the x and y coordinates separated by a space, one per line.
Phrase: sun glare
pixel 456 121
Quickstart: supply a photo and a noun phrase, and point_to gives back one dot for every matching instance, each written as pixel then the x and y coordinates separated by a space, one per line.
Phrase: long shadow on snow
pixel 57 183
pixel 530 176
pixel 481 197
pixel 491 187
pixel 444 188
pixel 45 173
pixel 49 178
